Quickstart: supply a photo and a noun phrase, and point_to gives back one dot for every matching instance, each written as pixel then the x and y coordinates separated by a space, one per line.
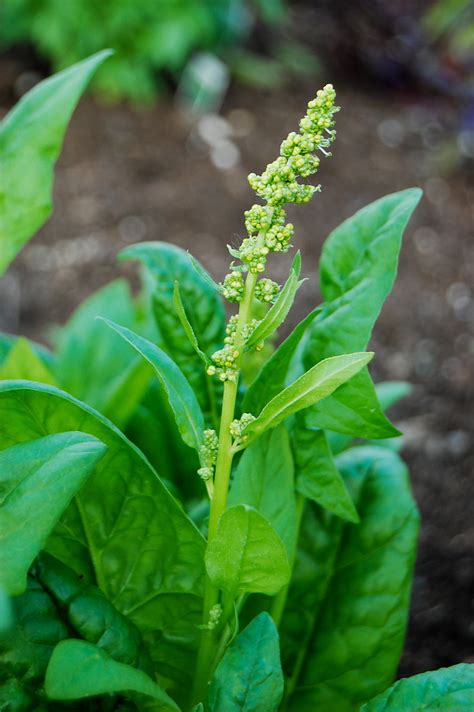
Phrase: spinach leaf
pixel 23 362
pixel 86 340
pixel 278 312
pixel 249 677
pixel 344 626
pixel 186 409
pixel 271 378
pixel 449 689
pixel 357 270
pixel 314 385
pixel 38 479
pixel 247 555
pixel 167 264
pixel 124 531
pixel 31 136
pixel 78 669
pixel 264 480
pixel 8 341
pixel 317 477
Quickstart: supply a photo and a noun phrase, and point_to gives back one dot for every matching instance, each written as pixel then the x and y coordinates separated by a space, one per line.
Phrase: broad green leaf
pixel 314 385
pixel 272 376
pixel 31 136
pixel 357 270
pixel 264 480
pixel 86 340
pixel 23 362
pixel 8 341
pixel 249 677
pixel 88 613
pixel 79 669
pixel 188 329
pixel 123 531
pixel 25 651
pixel 278 312
pixel 183 402
pixel 317 477
pixel 166 264
pixel 449 689
pixel 349 597
pixel 38 480
pixel 247 555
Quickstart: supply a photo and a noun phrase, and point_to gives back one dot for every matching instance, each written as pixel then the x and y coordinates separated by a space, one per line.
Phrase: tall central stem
pixel 206 653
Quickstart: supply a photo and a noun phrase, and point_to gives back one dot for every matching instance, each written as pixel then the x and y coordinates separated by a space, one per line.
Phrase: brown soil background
pixel 126 176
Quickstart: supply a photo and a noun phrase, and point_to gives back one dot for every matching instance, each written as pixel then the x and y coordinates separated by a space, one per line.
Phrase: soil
pixel 127 175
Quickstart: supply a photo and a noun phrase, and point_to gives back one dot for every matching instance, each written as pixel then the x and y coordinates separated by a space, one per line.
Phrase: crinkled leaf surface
pixel 124 530
pixel 317 477
pixel 357 270
pixel 117 380
pixel 79 669
pixel 31 136
pixel 167 264
pixel 23 362
pixel 448 690
pixel 247 555
pixel 249 677
pixel 186 409
pixel 38 479
pixel 349 597
pixel 314 385
pixel 264 479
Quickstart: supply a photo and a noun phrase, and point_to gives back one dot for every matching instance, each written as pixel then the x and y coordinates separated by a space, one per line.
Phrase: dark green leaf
pixel 314 385
pixel 348 602
pixel 357 270
pixel 249 677
pixel 188 414
pixel 124 531
pixel 277 313
pixel 188 329
pixel 38 479
pixel 78 669
pixel 271 379
pixel 317 477
pixel 165 265
pixel 247 555
pixel 31 136
pixel 264 480
pixel 85 340
pixel 448 690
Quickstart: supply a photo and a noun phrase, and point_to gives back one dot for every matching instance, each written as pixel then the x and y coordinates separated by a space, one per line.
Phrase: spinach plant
pixel 191 518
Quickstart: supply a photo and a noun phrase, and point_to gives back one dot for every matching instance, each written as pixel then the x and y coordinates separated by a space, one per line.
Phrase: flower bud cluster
pixel 233 286
pixel 224 360
pixel 215 613
pixel 266 290
pixel 238 427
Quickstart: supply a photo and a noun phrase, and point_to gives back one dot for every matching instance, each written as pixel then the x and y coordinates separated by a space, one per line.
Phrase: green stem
pixel 206 653
pixel 279 601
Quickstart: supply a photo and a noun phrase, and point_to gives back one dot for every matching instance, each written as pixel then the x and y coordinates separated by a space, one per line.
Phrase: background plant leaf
pixel 23 362
pixel 249 677
pixel 31 137
pixel 357 269
pixel 449 689
pixel 349 597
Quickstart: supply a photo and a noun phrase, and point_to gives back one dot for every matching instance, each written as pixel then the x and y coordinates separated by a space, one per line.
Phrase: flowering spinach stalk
pixel 267 232
pixel 284 583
